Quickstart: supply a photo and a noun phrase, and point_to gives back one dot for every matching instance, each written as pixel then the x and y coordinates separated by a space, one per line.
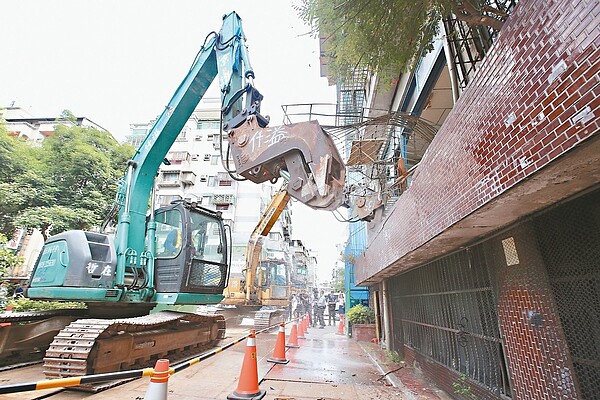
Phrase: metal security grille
pixel 569 240
pixel 446 310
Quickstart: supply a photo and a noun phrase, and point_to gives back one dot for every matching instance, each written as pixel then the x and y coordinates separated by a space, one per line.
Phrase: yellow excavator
pixel 264 288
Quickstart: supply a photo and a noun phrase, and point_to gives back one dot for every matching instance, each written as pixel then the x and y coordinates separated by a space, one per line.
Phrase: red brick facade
pixel 535 98
pixel 523 136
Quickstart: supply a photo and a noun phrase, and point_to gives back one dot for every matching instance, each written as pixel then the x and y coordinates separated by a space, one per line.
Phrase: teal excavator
pixel 172 255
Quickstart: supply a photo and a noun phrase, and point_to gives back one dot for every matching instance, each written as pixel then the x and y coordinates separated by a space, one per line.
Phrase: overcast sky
pixel 118 62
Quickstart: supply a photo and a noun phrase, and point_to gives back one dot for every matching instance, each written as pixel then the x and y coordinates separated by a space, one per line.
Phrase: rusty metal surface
pixel 304 151
pixel 91 346
pixel 23 342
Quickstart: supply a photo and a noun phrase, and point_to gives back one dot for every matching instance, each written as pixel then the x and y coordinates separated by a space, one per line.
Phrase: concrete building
pixel 480 252
pixel 20 122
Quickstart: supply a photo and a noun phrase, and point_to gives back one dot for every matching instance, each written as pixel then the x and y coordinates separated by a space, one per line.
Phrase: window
pixel 170 176
pixel 177 157
pixel 139 131
pixel 223 199
pixel 274 236
pixel 224 179
pixel 183 134
pixel 212 181
pixel 214 160
pixel 208 124
pixel 208 263
pixel 164 200
pixel 168 234
pixel 222 207
pixel 135 141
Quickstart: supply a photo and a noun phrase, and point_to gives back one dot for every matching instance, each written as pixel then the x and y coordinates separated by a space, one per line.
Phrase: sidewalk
pixel 331 366
pixel 326 366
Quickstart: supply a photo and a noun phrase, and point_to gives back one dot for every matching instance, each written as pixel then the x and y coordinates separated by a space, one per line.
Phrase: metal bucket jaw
pixel 303 153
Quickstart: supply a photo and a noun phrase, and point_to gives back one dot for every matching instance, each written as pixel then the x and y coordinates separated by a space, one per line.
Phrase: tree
pixel 385 35
pixel 19 178
pixel 340 279
pixel 68 183
pixel 67 115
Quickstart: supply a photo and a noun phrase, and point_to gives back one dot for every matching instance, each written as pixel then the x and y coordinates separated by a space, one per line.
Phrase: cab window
pixel 169 234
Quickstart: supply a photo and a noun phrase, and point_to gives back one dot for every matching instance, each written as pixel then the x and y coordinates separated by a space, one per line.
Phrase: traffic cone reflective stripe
pixel 293 342
pixel 157 389
pixel 279 351
pixel 248 383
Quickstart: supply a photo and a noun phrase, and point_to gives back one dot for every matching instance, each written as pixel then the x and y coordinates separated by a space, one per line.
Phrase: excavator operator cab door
pixel 191 252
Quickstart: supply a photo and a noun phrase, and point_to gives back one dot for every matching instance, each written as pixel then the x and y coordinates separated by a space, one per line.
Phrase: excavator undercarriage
pixel 72 346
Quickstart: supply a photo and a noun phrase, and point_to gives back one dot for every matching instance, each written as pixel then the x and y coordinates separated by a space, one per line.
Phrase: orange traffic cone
pixel 306 323
pixel 157 389
pixel 293 336
pixel 279 351
pixel 340 330
pixel 301 329
pixel 248 384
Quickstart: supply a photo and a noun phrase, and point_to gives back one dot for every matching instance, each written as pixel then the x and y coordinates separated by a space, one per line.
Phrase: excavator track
pixel 94 346
pixel 267 317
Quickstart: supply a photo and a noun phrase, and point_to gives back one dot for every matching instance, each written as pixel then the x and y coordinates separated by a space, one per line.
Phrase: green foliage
pixel 385 36
pixel 23 304
pixel 462 388
pixel 360 314
pixel 67 183
pixel 340 281
pixel 392 356
pixel 67 115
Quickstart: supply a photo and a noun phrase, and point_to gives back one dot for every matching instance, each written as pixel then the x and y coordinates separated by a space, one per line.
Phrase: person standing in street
pixel 331 309
pixel 314 298
pixel 341 304
pixel 321 304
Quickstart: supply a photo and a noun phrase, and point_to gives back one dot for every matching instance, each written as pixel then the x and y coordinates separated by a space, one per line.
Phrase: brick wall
pixel 443 377
pixel 536 351
pixel 535 98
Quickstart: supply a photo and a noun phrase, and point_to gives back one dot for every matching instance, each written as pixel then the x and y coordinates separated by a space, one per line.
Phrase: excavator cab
pixel 273 282
pixel 191 251
pixel 190 265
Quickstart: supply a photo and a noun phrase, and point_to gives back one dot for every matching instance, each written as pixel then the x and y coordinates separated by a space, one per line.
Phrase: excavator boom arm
pixel 264 226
